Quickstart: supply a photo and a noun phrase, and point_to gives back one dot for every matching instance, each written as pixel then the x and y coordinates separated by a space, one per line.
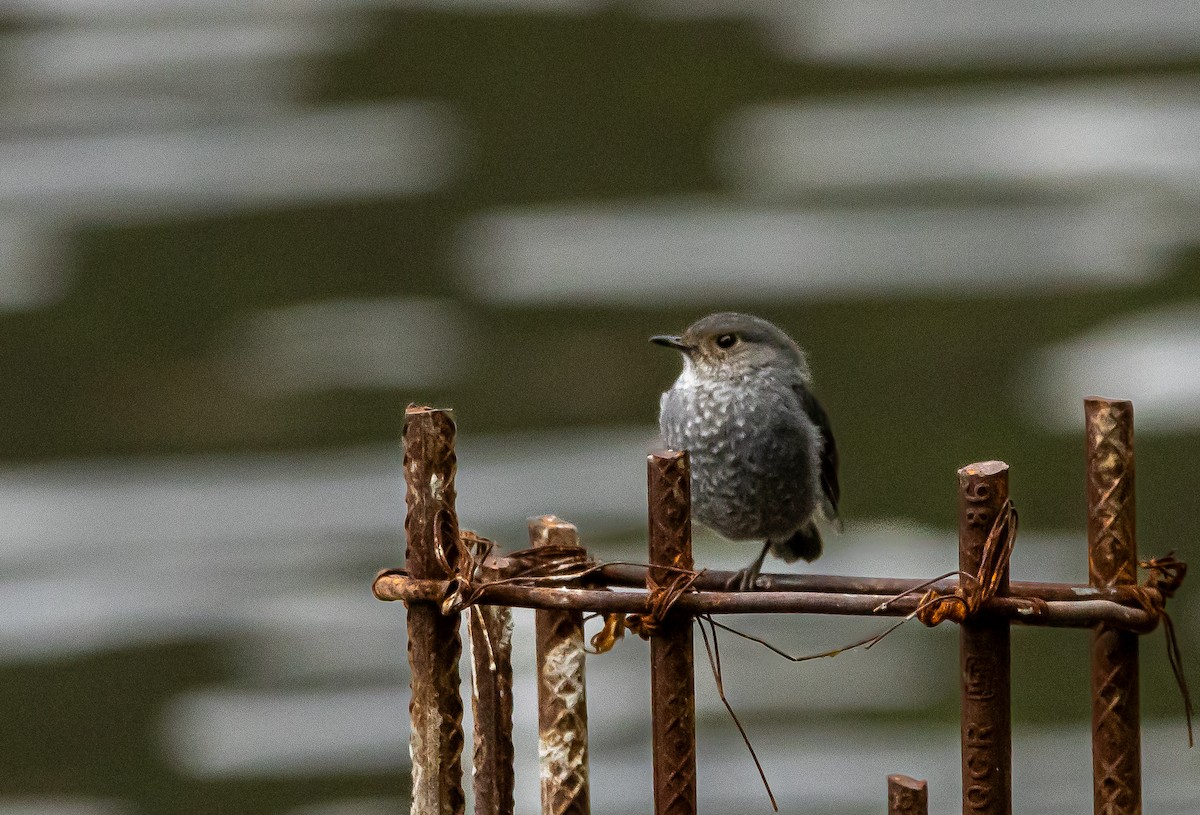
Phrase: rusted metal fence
pixel 449 573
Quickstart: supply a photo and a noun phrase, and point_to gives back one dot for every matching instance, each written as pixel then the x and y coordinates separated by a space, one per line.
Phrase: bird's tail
pixel 804 543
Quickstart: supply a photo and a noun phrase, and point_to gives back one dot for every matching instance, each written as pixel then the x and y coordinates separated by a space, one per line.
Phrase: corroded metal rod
pixel 633 575
pixel 984 656
pixel 492 709
pixel 562 692
pixel 1056 613
pixel 436 740
pixel 672 685
pixel 907 796
pixel 1112 561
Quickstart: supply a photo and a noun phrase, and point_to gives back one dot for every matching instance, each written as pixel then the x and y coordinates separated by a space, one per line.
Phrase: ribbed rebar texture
pixel 632 574
pixel 672 686
pixel 562 692
pixel 1112 561
pixel 436 741
pixel 984 657
pixel 907 796
pixel 1120 610
pixel 492 709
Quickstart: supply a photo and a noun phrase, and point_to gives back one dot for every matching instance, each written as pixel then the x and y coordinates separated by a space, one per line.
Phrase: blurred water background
pixel 237 237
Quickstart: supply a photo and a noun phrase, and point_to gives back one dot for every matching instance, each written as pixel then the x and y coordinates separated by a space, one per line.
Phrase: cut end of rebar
pixel 547 520
pixel 983 468
pixel 666 455
pixel 908 782
pixel 414 409
pixel 545 530
pixel 1104 401
pixel 907 796
pixel 1103 416
pixel 415 412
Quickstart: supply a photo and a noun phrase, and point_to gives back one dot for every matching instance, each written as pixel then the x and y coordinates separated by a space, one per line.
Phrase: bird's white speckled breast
pixel 753 451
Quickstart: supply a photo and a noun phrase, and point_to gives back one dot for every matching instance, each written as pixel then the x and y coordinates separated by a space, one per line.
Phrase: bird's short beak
pixel 671 342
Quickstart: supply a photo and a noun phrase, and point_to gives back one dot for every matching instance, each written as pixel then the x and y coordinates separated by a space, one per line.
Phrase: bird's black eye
pixel 727 340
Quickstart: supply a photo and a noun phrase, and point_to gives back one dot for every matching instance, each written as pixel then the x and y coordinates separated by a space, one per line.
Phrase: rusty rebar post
pixel 984 656
pixel 492 706
pixel 672 684
pixel 436 740
pixel 1112 561
pixel 562 692
pixel 907 796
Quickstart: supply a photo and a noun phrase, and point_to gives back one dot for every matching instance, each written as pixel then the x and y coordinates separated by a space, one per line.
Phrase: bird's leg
pixel 747 577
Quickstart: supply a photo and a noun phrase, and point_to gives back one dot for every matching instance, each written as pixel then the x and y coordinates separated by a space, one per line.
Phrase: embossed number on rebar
pixel 984 653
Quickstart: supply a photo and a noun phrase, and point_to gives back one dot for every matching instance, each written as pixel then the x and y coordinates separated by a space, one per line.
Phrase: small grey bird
pixel 764 463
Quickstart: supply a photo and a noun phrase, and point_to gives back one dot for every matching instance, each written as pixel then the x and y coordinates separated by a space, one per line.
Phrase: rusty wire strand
pixel 866 644
pixel 552 564
pixel 714 662
pixel 886 604
pixel 659 600
pixel 980 588
pixel 1165 578
pixel 477 613
pixel 974 590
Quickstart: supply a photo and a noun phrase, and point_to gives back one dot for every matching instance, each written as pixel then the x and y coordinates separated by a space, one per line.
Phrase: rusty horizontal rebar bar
pixel 1028 611
pixel 634 575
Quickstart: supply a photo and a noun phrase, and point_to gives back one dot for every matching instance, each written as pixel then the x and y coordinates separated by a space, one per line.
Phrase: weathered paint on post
pixel 436 710
pixel 491 692
pixel 1112 561
pixel 672 685
pixel 562 692
pixel 907 796
pixel 984 656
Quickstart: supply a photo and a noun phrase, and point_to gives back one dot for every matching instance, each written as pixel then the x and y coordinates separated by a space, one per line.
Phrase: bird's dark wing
pixel 829 454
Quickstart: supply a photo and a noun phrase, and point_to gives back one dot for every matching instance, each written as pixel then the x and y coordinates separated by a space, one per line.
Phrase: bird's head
pixel 728 343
